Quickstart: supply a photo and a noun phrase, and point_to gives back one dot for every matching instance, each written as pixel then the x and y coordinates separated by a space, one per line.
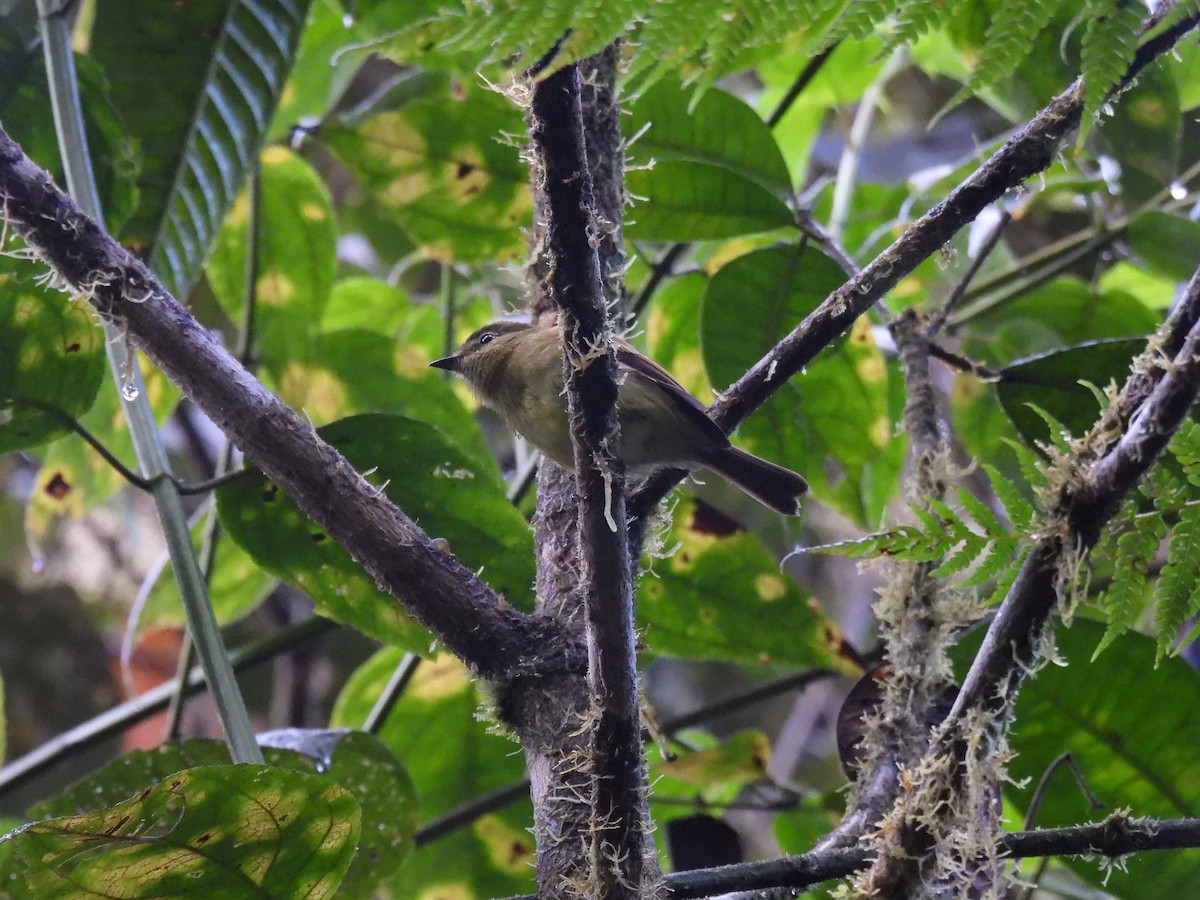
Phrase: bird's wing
pixel 637 365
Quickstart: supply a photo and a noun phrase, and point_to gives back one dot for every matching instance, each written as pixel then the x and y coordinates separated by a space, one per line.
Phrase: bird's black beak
pixel 447 362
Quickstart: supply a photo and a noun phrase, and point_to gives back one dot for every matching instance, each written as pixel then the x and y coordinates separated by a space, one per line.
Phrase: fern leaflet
pixel 1009 40
pixel 1109 44
pixel 1125 599
pixel 1175 595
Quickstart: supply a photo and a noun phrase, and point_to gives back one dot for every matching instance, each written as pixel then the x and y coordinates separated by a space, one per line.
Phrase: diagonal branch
pixel 1152 403
pixel 435 588
pixel 1026 153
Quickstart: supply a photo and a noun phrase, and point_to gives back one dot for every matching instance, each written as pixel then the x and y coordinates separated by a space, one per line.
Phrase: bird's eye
pixel 487 337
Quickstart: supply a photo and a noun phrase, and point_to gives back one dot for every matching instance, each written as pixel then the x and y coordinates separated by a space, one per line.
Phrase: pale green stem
pixel 152 457
pixel 860 128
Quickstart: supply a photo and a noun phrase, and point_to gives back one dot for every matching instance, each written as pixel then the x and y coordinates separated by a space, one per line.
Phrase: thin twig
pixel 662 269
pixel 803 80
pixel 938 320
pixel 391 693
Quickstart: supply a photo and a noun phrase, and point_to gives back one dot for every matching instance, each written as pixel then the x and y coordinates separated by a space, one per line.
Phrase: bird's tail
pixel 769 484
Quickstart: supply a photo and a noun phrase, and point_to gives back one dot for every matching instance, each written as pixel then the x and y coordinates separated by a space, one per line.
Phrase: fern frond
pixel 1008 41
pixel 899 543
pixel 859 19
pixel 1060 435
pixel 1124 600
pixel 914 19
pixel 1109 43
pixel 1019 510
pixel 949 521
pixel 961 559
pixel 1185 447
pixel 1177 13
pixel 1029 464
pixel 1007 575
pixel 998 556
pixel 984 517
pixel 1175 595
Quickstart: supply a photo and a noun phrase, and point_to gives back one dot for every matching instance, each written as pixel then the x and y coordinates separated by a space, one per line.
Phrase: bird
pixel 515 369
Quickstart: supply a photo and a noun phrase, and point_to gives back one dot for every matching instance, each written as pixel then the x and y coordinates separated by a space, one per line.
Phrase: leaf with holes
pixel 356 761
pixel 721 595
pixel 437 165
pixel 51 362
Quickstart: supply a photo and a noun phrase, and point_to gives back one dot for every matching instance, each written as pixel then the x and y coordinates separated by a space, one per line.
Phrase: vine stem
pixel 152 456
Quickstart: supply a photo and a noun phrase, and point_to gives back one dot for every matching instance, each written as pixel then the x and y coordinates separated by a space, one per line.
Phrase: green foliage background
pixel 395 227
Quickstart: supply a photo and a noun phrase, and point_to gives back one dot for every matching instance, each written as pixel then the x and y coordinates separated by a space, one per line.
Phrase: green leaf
pixel 713 171
pixel 1063 312
pixel 960 559
pixel 450 494
pixel 1007 575
pixel 1133 733
pixel 453 758
pixel 833 421
pixel 372 354
pixel 197 85
pixel 356 761
pixel 1145 134
pixel 1167 243
pixel 24 103
pixel 718 130
pixel 723 596
pixel 1009 40
pixel 979 511
pixel 209 831
pixel 463 36
pixel 1051 383
pixel 686 201
pixel 51 352
pixel 859 19
pixel 915 18
pixel 1020 511
pixel 1185 447
pixel 321 72
pixel 438 167
pixel 297 249
pixel 997 561
pixel 719 772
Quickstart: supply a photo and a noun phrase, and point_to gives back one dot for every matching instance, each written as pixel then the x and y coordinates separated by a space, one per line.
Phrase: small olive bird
pixel 515 369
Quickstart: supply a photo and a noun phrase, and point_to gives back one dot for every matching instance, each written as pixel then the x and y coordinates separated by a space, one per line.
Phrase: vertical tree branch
pixel 617 788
